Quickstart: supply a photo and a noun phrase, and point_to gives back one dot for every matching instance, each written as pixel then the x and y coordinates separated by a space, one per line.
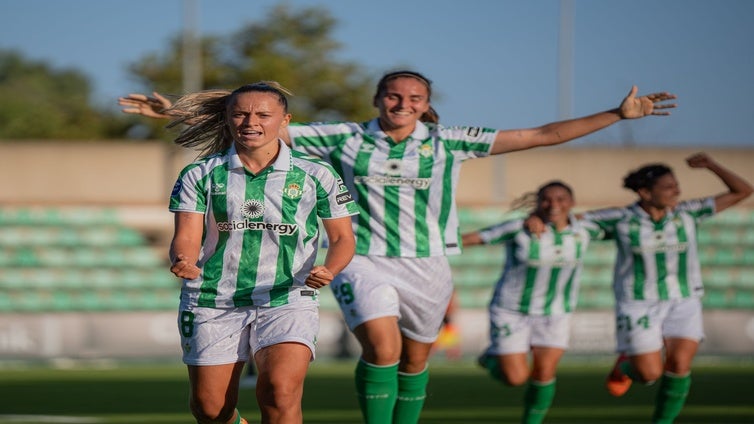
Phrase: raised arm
pixel 631 107
pixel 151 107
pixel 738 188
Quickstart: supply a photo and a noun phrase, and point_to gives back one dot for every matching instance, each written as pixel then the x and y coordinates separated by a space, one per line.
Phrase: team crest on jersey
pixel 393 166
pixel 252 208
pixel 426 151
pixel 293 191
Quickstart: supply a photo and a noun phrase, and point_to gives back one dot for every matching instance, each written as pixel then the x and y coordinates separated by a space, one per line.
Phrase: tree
pixel 295 48
pixel 39 102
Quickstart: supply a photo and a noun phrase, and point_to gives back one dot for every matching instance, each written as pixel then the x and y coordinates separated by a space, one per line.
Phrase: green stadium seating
pixel 79 259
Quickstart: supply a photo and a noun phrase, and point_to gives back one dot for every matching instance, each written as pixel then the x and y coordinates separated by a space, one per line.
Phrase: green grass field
pixel 458 393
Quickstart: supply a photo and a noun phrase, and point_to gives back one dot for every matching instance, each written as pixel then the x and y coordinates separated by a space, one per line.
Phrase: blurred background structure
pixel 84 225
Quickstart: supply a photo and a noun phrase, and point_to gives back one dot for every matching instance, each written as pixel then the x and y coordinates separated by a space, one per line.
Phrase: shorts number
pixel 624 323
pixel 187 323
pixel 344 294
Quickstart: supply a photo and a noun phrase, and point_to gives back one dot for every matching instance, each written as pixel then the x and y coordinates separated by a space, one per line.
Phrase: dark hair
pixel 646 176
pixel 430 115
pixel 554 183
pixel 530 200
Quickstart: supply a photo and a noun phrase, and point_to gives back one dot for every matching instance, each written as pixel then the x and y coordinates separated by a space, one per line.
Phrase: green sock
pixel 238 417
pixel 671 395
pixel 537 401
pixel 412 390
pixel 377 388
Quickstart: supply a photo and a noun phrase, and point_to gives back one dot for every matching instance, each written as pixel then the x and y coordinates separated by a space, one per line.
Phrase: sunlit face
pixel 664 194
pixel 554 205
pixel 402 103
pixel 255 120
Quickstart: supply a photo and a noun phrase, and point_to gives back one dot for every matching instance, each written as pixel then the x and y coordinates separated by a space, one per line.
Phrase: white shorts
pixel 641 326
pixel 212 336
pixel 416 290
pixel 514 332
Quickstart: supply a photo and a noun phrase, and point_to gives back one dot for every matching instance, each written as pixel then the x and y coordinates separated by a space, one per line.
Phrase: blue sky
pixel 494 63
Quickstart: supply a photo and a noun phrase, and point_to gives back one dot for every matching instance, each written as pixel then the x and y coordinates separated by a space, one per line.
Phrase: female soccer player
pixel 657 279
pixel 245 242
pixel 403 175
pixel 536 294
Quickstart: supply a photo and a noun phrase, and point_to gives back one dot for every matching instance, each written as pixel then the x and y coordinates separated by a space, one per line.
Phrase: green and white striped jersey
pixel 405 191
pixel 260 231
pixel 656 260
pixel 541 274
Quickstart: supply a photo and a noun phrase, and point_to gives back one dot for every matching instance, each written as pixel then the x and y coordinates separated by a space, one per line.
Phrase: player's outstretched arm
pixel 632 107
pixel 738 188
pixel 151 107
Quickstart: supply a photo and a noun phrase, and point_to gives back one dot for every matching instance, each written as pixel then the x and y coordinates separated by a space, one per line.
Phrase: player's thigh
pixel 283 366
pixel 515 368
pixel 545 362
pixel 214 386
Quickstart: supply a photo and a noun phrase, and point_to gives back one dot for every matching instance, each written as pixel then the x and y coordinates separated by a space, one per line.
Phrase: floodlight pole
pixel 565 61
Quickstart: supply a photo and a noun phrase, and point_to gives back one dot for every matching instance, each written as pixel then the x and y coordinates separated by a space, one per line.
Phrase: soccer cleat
pixel 243 421
pixel 618 383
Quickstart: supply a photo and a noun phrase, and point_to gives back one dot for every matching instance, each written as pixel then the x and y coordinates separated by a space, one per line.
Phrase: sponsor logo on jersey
pixel 661 248
pixel 658 244
pixel 280 228
pixel 177 188
pixel 393 166
pixel 366 147
pixel 252 208
pixel 341 186
pixel 217 189
pixel 417 183
pixel 343 198
pixel 473 132
pixel 293 191
pixel 552 262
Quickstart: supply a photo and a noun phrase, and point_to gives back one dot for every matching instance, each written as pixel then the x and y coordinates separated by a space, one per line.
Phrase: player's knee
pixel 515 378
pixel 279 396
pixel 211 411
pixel 648 374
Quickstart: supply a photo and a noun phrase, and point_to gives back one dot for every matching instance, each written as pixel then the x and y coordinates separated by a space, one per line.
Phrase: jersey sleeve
pixel 605 219
pixel 502 232
pixel 333 198
pixel 319 138
pixel 467 142
pixel 699 209
pixel 592 229
pixel 189 193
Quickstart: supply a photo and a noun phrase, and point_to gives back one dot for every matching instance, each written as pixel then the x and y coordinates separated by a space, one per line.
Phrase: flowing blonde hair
pixel 204 115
